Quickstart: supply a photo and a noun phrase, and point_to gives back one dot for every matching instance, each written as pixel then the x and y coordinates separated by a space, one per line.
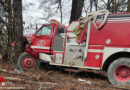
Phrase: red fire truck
pixel 100 45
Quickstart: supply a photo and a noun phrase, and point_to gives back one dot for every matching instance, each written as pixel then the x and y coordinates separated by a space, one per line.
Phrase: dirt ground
pixel 55 78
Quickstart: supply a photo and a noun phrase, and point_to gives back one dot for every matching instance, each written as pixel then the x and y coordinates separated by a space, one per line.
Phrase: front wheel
pixel 119 72
pixel 27 62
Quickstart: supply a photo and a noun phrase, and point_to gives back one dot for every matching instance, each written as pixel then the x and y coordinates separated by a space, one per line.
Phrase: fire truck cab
pixel 106 48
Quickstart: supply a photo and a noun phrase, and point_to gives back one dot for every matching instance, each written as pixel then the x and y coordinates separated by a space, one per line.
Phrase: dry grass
pixel 54 78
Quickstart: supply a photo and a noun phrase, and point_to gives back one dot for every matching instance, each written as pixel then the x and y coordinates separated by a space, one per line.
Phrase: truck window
pixel 60 30
pixel 45 30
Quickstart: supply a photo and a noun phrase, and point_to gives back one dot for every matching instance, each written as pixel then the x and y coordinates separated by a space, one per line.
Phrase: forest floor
pixel 54 78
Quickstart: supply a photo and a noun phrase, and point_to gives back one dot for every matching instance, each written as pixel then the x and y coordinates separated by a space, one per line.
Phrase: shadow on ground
pixel 75 72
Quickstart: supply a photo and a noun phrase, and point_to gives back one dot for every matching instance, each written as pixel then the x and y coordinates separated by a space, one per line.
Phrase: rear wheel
pixel 119 72
pixel 27 62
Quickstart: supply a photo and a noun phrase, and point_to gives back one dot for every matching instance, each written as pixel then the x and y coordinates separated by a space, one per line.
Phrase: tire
pixel 27 62
pixel 119 72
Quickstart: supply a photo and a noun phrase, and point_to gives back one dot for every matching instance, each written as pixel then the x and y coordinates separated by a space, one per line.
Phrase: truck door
pixel 58 45
pixel 42 39
pixel 59 39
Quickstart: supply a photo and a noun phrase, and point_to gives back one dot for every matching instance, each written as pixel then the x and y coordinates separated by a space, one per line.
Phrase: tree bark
pixel 76 10
pixel 60 10
pixel 128 6
pixel 18 27
pixel 10 21
pixel 114 6
pixel 108 4
pixel 91 5
pixel 96 4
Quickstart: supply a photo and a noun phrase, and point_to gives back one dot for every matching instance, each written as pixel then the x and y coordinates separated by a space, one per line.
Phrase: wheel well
pixel 113 57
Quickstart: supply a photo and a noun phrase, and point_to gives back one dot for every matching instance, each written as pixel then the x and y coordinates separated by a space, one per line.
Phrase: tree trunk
pixel 114 6
pixel 18 27
pixel 60 10
pixel 76 10
pixel 96 4
pixel 91 5
pixel 128 6
pixel 10 21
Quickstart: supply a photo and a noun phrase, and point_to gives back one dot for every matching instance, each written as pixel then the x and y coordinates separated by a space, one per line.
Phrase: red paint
pixel 92 61
pixel 53 37
pixel 119 13
pixel 66 37
pixel 58 23
pixel 43 40
pixel 96 47
pixel 82 36
pixel 117 33
pixel 28 62
pixel 32 52
pixel 91 57
pixel 122 73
